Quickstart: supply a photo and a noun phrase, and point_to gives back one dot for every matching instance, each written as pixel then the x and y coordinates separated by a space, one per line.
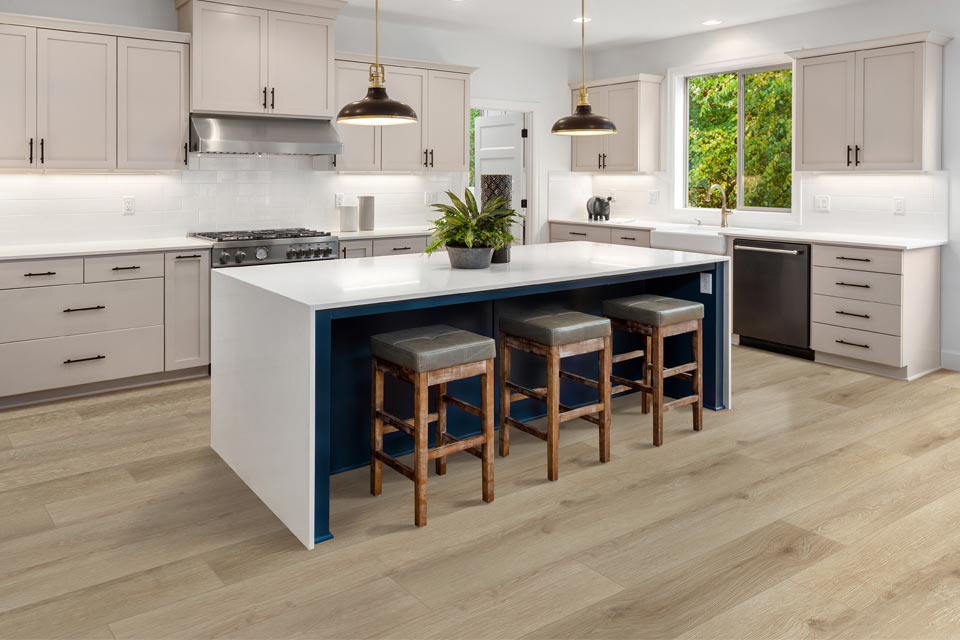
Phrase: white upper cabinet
pixel 18 100
pixel 361 145
pixel 448 121
pixel 634 106
pixel 300 53
pixel 403 146
pixel 77 100
pixel 878 108
pixel 229 58
pixel 153 105
pixel 255 61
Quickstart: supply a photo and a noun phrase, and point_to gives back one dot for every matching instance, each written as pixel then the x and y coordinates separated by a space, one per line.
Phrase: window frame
pixel 740 73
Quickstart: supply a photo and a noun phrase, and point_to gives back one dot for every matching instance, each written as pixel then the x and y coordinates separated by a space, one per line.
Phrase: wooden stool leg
pixel 698 377
pixel 657 362
pixel 421 426
pixel 504 397
pixel 486 405
pixel 606 370
pixel 647 357
pixel 441 429
pixel 376 430
pixel 553 413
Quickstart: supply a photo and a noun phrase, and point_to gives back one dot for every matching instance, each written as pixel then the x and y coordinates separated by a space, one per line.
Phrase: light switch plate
pixel 822 204
pixel 655 196
pixel 338 200
pixel 129 205
pixel 900 206
pixel 706 283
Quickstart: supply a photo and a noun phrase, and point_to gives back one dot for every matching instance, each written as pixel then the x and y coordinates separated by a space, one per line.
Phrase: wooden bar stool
pixel 555 334
pixel 657 318
pixel 427 357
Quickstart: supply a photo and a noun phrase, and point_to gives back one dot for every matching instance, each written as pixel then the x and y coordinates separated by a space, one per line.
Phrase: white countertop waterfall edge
pixel 336 284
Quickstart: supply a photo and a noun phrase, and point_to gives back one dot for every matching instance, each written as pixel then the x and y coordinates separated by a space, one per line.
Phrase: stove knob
pixel 303 253
pixel 291 253
pixel 240 257
pixel 224 257
pixel 318 252
pixel 262 253
pixel 327 252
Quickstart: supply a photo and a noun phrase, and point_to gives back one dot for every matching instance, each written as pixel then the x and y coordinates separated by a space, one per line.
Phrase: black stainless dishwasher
pixel 771 295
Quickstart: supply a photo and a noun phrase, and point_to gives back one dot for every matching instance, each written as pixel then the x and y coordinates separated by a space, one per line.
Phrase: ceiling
pixel 612 21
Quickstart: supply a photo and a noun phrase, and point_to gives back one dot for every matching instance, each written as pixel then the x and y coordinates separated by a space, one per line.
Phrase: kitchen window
pixel 755 106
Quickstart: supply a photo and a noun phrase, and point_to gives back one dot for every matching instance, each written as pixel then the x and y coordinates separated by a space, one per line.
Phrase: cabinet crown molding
pixel 933 37
pixel 77 26
pixel 605 82
pixel 366 58
pixel 317 8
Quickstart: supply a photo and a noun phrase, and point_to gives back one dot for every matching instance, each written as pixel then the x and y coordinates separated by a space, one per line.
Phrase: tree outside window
pixel 723 108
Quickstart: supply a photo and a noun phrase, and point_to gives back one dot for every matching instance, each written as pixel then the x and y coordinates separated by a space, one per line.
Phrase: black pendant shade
pixel 584 122
pixel 377 109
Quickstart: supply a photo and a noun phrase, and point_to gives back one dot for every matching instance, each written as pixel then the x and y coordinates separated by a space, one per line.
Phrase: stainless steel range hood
pixel 268 136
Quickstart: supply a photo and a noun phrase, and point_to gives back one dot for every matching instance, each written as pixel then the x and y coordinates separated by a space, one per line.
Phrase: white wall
pixel 867 20
pixel 154 14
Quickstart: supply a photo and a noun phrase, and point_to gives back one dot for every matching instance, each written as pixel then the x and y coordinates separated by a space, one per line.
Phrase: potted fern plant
pixel 470 233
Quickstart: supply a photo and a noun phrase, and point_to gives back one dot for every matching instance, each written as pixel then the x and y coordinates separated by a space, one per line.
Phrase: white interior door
pixel 18 100
pixel 301 65
pixel 449 122
pixel 826 91
pixel 499 150
pixel 77 100
pixel 153 106
pixel 890 108
pixel 403 147
pixel 361 145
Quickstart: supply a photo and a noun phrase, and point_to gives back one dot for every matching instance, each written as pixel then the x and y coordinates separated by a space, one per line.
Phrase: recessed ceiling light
pixel 711 23
pixel 580 20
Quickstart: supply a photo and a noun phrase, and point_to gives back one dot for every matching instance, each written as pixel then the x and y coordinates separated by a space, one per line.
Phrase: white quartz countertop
pixel 901 243
pixel 337 284
pixel 98 247
pixel 386 232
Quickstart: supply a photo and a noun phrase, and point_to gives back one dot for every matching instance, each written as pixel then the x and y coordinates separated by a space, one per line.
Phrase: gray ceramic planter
pixel 502 256
pixel 467 258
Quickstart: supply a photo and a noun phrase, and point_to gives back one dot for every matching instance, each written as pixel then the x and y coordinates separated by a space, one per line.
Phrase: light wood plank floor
pixel 826 505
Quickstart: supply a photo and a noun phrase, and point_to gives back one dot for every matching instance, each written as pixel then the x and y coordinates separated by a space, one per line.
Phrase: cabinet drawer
pixel 639 238
pixel 64 362
pixel 857 285
pixel 560 232
pixel 40 273
pixel 879 260
pixel 857 314
pixel 853 343
pixel 48 312
pixel 399 246
pixel 124 267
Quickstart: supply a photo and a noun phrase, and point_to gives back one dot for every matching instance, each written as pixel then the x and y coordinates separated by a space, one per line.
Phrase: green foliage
pixel 464 224
pixel 474 114
pixel 767 107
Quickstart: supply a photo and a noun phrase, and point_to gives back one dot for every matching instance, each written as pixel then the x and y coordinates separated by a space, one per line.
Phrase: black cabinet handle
pixel 431 157
pixel 273 98
pixel 604 161
pixel 96 308
pixel 858 286
pixel 334 162
pixel 576 233
pixel 264 97
pixel 401 248
pixel 45 273
pixel 125 268
pixel 191 257
pixel 344 252
pixel 42 158
pixel 599 161
pixel 628 238
pixel 186 154
pixel 84 359
pixel 426 155
pixel 853 344
pixel 854 259
pixel 31 150
pixel 857 155
pixel 849 159
pixel 854 315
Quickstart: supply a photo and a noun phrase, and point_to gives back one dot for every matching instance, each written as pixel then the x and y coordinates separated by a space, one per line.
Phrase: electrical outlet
pixel 338 200
pixel 900 206
pixel 822 204
pixel 655 196
pixel 129 205
pixel 706 283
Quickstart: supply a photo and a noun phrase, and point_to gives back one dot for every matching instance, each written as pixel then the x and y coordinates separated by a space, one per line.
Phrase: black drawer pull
pixel 84 359
pixel 191 257
pixel 401 248
pixel 858 286
pixel 96 308
pixel 577 233
pixel 628 238
pixel 45 273
pixel 853 344
pixel 855 315
pixel 125 268
pixel 854 259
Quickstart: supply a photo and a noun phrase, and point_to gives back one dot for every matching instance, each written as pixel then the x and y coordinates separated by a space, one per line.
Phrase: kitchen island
pixel 290 390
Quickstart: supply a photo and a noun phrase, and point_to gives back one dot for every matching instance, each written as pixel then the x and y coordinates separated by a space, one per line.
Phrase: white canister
pixel 367 213
pixel 349 217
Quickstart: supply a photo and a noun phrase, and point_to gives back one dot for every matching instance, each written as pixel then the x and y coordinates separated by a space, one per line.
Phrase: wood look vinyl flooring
pixel 825 505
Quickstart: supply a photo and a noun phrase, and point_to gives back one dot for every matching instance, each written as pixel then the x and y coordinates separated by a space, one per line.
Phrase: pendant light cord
pixel 377 19
pixel 583 53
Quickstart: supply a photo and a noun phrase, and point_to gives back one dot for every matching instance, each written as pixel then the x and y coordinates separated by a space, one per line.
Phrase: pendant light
pixel 376 109
pixel 584 122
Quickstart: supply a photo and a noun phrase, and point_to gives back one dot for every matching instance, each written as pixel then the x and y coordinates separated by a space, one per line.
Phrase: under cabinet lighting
pixel 711 23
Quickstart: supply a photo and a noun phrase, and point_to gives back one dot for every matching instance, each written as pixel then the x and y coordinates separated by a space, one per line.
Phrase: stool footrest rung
pixel 680 402
pixel 566 411
pixel 395 464
pixel 453 444
pixel 679 370
pixel 463 406
pixel 393 423
pixel 587 382
pixel 626 384
pixel 630 355
pixel 523 426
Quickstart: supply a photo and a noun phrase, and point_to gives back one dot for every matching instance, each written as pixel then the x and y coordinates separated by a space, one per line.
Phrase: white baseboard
pixel 950 360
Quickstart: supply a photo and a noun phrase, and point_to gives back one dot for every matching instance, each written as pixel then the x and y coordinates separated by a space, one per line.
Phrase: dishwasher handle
pixel 789 252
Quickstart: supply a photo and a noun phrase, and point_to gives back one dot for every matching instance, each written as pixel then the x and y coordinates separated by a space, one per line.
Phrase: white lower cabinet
pixel 187 309
pixel 356 248
pixel 399 246
pixel 592 232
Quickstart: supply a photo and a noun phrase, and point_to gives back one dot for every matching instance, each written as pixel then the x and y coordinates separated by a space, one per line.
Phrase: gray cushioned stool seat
pixel 553 327
pixel 432 348
pixel 654 311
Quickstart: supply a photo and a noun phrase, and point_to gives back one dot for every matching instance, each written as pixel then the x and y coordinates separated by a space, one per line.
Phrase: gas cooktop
pixel 270 246
pixel 262 234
